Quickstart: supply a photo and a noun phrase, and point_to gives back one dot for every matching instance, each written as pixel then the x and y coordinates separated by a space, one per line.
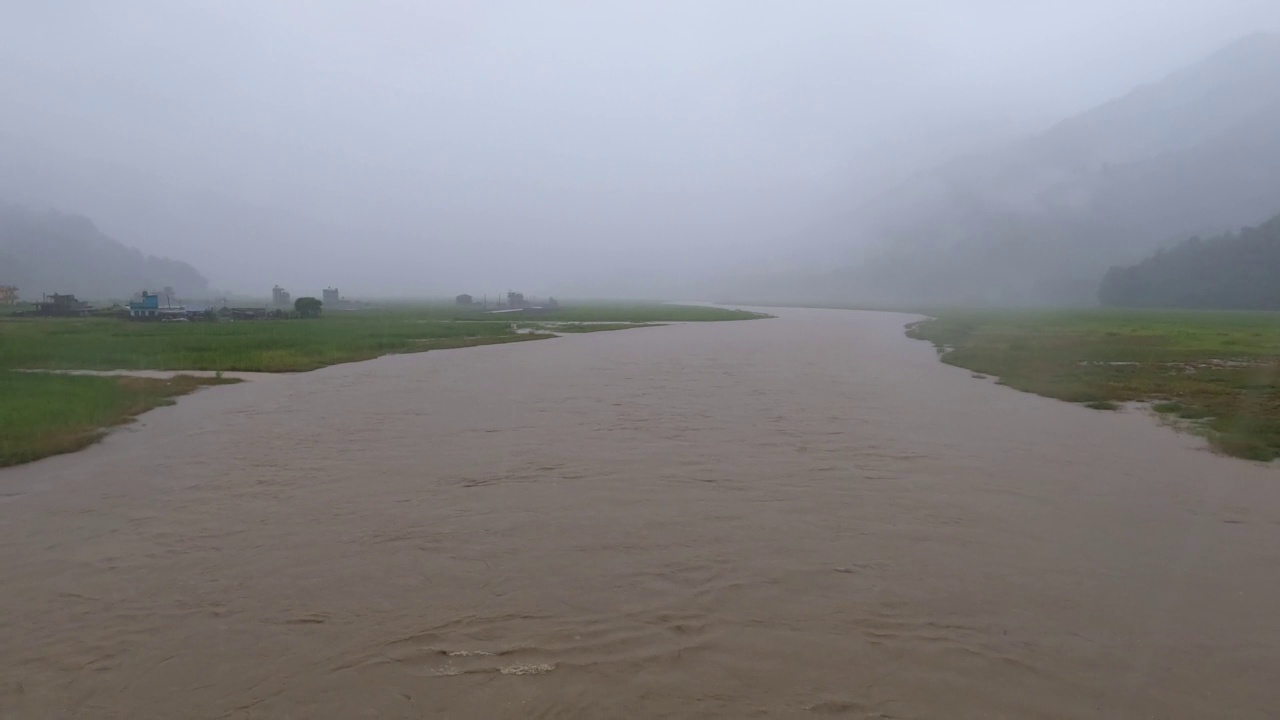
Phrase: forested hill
pixel 1238 271
pixel 47 252
pixel 1040 221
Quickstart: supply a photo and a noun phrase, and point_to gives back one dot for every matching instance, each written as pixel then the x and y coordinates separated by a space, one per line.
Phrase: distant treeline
pixel 1238 271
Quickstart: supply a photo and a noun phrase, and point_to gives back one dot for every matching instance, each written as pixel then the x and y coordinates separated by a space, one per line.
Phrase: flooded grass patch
pixel 45 414
pixel 1219 371
pixel 582 327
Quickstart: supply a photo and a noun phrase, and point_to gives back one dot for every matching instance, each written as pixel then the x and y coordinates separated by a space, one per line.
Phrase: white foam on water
pixel 528 669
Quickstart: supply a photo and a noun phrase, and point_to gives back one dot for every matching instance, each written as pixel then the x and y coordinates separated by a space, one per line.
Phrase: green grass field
pixel 1215 372
pixel 260 345
pixel 291 345
pixel 45 414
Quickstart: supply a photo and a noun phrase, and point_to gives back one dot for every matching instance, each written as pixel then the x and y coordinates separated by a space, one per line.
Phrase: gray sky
pixel 562 147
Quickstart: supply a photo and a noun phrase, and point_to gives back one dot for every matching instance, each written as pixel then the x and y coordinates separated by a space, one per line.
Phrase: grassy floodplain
pixel 1213 372
pixel 43 414
pixel 296 345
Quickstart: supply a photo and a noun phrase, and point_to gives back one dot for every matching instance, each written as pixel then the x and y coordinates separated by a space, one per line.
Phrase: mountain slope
pixel 46 252
pixel 1040 221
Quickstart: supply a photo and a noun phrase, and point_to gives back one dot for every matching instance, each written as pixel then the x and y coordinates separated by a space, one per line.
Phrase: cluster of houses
pixel 516 302
pixel 160 306
pixel 329 296
pixel 163 306
pixel 49 304
pixel 149 306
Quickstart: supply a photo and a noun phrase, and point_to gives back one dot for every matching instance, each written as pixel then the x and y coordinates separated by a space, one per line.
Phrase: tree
pixel 308 307
pixel 1235 271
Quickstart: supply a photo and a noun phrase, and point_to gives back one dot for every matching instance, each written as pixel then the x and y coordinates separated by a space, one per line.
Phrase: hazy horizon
pixel 402 149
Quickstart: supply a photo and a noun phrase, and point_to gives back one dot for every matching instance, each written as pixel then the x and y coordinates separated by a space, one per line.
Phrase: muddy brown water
pixel 801 517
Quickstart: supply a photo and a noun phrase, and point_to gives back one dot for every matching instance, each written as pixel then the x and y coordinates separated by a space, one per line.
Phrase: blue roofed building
pixel 145 309
pixel 149 307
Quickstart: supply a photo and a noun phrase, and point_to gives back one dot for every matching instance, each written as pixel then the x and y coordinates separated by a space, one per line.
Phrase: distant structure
pixel 8 295
pixel 245 313
pixel 519 303
pixel 145 309
pixel 200 313
pixel 465 299
pixel 279 296
pixel 150 307
pixel 62 306
pixel 330 296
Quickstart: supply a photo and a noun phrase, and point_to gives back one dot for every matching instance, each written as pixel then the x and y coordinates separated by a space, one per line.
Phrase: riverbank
pixel 1213 373
pixel 45 414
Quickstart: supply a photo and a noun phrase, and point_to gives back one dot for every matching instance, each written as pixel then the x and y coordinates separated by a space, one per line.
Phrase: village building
pixel 149 307
pixel 57 305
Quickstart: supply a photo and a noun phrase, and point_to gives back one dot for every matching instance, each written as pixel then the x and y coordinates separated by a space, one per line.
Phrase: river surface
pixel 807 516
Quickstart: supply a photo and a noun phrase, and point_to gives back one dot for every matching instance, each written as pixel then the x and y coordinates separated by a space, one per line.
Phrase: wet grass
pixel 1217 373
pixel 1101 405
pixel 292 345
pixel 15 308
pixel 577 327
pixel 47 414
pixel 259 346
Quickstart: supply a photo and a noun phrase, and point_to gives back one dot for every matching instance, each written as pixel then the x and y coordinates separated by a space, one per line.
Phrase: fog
pixel 639 149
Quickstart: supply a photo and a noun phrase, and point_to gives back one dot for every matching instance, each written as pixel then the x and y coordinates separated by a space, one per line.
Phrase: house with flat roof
pixel 62 306
pixel 150 307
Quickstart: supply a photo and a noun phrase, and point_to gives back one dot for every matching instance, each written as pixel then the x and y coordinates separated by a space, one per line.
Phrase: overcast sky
pixel 563 147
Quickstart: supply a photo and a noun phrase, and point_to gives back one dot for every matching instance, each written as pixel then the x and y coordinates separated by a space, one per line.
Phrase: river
pixel 806 516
